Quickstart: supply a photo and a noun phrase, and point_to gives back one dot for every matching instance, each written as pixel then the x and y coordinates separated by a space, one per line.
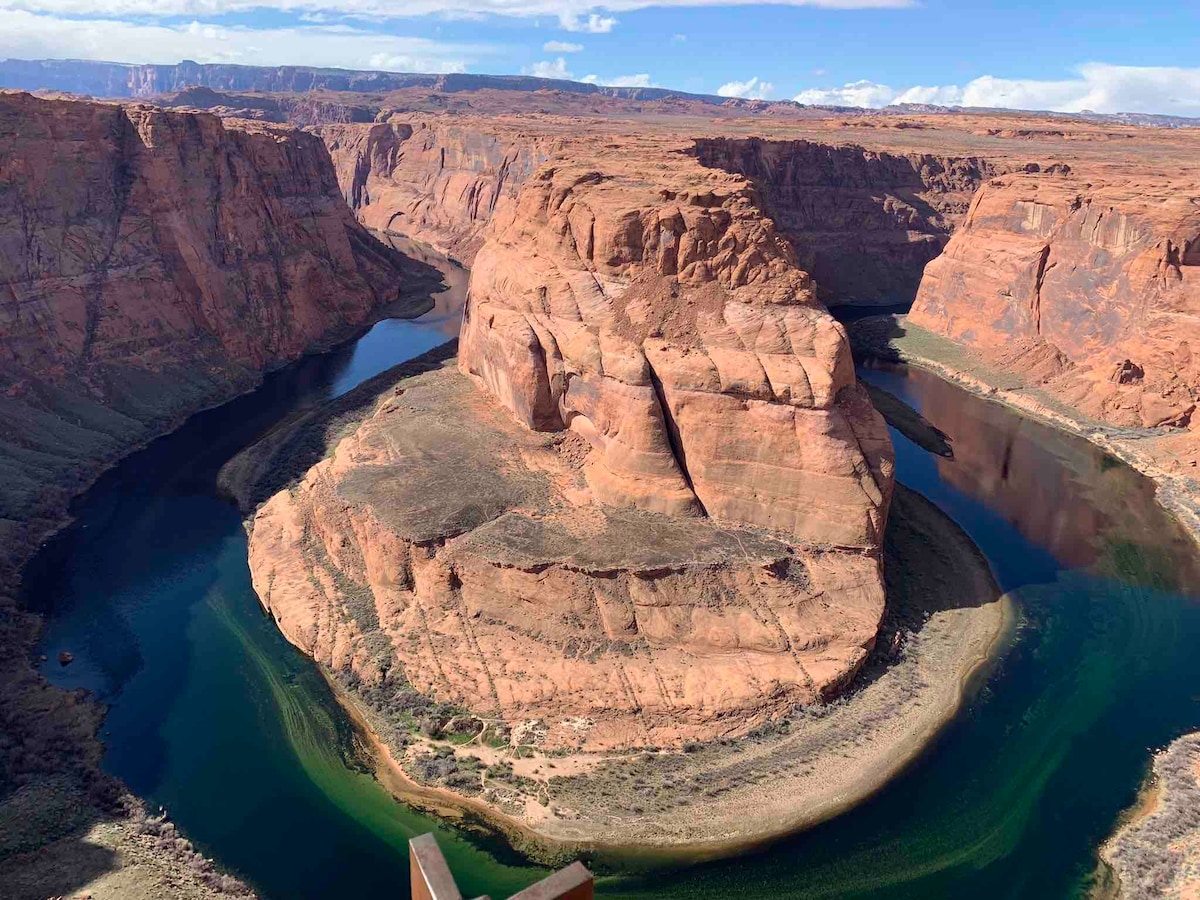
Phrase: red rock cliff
pixel 152 263
pixel 430 179
pixel 863 222
pixel 1087 281
pixel 659 520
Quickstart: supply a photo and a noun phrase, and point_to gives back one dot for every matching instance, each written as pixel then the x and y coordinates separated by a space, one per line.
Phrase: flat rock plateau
pixel 644 517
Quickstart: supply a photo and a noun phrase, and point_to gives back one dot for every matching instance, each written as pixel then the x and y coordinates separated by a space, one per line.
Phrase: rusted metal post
pixel 574 882
pixel 432 880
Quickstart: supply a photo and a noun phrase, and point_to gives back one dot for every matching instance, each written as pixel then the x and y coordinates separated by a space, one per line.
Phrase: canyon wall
pixel 431 179
pixel 656 515
pixel 1084 280
pixel 863 223
pixel 152 263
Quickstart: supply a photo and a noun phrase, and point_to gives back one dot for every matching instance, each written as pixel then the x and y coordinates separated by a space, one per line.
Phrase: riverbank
pixel 1167 456
pixel 90 833
pixel 946 623
pixel 1155 850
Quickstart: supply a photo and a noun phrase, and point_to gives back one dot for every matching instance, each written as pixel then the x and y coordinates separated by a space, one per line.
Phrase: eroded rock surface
pixel 655 517
pixel 1086 280
pixel 152 263
pixel 864 223
pixel 448 542
pixel 433 180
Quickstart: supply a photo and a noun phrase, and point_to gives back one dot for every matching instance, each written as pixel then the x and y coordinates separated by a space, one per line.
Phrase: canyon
pixel 1035 248
pixel 645 509
pixel 152 264
pixel 635 332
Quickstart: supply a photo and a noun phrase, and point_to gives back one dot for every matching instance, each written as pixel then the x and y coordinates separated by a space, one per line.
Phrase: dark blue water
pixel 216 717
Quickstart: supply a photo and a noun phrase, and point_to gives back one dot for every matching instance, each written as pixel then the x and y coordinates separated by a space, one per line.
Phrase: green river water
pixel 215 717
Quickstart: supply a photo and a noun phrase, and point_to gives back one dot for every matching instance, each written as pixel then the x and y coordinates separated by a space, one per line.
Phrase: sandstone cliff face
pixel 864 223
pixel 152 263
pixel 665 323
pixel 1083 282
pixel 660 519
pixel 432 180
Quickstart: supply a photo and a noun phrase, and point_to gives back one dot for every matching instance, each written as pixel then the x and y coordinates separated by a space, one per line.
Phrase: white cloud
pixel 1099 87
pixel 591 24
pixel 635 81
pixel 679 39
pixel 28 36
pixel 752 89
pixel 574 15
pixel 556 68
pixel 561 47
pixel 857 93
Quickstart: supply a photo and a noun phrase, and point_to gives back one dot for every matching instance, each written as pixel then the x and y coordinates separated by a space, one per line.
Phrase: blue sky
pixel 1108 55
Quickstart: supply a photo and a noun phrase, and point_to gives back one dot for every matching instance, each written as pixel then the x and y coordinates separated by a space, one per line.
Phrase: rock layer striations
pixel 152 263
pixel 1085 278
pixel 432 179
pixel 657 514
pixel 864 223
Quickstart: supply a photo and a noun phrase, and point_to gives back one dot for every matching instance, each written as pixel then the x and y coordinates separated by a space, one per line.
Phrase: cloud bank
pixel 584 16
pixel 1099 87
pixel 550 68
pixel 631 81
pixel 752 89
pixel 29 36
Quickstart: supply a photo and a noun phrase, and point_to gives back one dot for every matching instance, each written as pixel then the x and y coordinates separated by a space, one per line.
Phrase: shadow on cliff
pixel 64 823
pixel 930 565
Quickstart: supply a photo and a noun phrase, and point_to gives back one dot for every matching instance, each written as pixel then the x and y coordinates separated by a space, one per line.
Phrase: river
pixel 216 718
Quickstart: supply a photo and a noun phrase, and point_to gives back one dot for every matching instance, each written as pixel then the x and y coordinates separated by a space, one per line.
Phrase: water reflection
pixel 214 715
pixel 1064 495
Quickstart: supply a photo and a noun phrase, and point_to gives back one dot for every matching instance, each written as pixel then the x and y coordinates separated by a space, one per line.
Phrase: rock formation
pixel 660 518
pixel 433 180
pixel 152 263
pixel 864 223
pixel 1085 279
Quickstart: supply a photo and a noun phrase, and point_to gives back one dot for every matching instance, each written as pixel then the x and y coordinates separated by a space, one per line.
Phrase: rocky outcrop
pixel 665 322
pixel 659 521
pixel 864 223
pixel 1085 282
pixel 433 180
pixel 152 263
pixel 1156 850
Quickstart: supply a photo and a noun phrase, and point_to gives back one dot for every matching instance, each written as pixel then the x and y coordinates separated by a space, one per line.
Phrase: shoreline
pixel 1155 848
pixel 808 776
pixel 1174 493
pixel 1117 442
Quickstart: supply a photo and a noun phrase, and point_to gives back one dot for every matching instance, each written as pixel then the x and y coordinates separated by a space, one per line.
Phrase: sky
pixel 1067 55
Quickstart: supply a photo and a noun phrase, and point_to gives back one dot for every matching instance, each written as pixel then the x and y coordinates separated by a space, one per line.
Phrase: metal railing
pixel 432 880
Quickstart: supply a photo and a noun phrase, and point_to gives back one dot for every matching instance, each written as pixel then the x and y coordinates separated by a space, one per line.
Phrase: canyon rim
pixel 643 519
